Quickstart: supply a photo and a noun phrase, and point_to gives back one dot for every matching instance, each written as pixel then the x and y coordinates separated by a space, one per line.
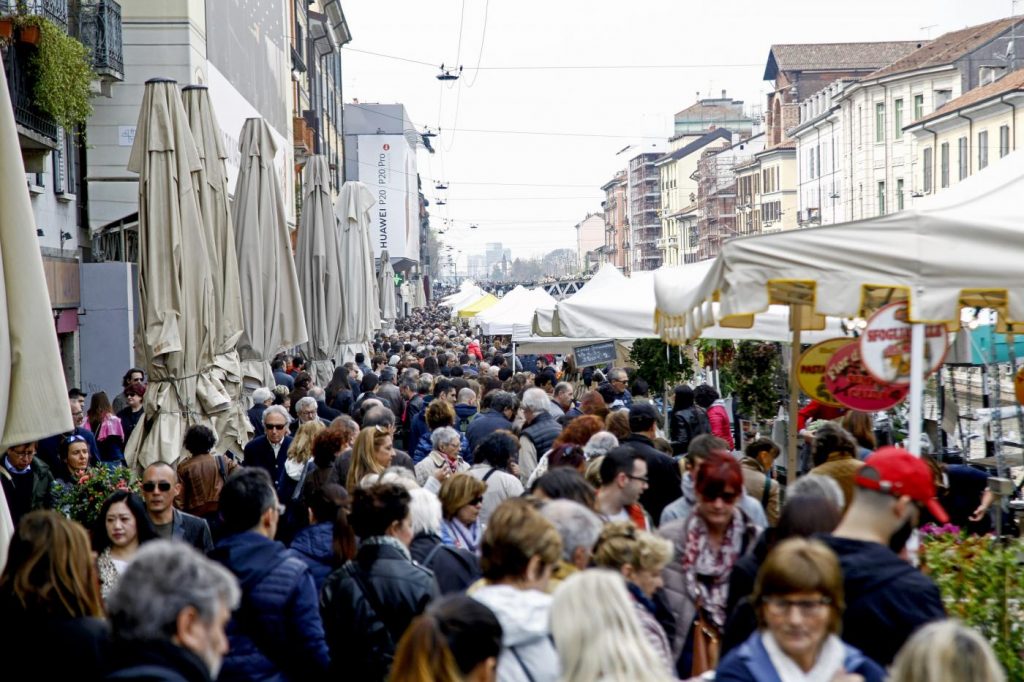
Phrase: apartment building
pixel 616 227
pixel 644 205
pixel 716 196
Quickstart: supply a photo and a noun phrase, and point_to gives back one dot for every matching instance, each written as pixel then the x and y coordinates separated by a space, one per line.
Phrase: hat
pixel 896 472
pixel 641 416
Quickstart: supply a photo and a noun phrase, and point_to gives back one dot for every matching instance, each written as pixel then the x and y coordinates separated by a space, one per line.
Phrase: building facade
pixel 55 158
pixel 984 121
pixel 616 226
pixel 644 206
pixel 676 171
pixel 879 159
pixel 717 194
pixel 589 238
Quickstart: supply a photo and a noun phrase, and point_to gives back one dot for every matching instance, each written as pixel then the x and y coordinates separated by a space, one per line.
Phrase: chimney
pixel 723 94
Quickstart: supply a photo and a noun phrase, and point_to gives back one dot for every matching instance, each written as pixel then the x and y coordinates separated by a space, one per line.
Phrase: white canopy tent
pixel 465 286
pixel 468 298
pixel 516 308
pixel 962 249
pixel 546 320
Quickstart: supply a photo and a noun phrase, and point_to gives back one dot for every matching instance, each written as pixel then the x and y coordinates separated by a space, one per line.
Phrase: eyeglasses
pixel 727 497
pixel 74 438
pixel 642 479
pixel 150 486
pixel 475 501
pixel 780 606
pixel 274 427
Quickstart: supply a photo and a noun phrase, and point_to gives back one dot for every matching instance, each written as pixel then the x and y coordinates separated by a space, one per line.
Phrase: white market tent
pixel 464 287
pixel 963 249
pixel 546 321
pixel 516 308
pixel 464 298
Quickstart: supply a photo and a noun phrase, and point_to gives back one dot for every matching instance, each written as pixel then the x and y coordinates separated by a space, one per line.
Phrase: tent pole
pixel 794 394
pixel 916 385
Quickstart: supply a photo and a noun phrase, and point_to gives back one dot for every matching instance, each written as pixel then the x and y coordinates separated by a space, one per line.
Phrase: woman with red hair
pixel 707 545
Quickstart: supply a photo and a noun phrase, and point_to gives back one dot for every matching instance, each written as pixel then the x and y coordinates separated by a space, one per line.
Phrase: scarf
pixel 441 460
pixel 830 661
pixel 387 540
pixel 705 570
pixel 460 536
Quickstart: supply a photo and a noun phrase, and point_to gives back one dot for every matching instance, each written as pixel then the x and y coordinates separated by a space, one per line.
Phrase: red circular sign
pixel 387 147
pixel 850 384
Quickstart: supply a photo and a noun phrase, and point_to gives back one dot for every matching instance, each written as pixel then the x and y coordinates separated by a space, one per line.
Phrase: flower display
pixel 82 500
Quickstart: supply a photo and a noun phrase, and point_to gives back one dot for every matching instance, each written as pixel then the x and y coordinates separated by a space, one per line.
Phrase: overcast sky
pixel 529 190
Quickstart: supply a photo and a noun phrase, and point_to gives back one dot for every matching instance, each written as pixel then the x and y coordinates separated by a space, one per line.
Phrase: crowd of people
pixel 443 511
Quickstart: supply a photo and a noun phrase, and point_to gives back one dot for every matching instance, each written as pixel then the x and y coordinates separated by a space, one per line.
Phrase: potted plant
pixel 30 33
pixel 6 29
pixel 63 76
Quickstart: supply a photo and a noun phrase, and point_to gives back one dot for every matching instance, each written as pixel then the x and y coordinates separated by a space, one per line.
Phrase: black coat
pixel 455 569
pixel 192 530
pixel 686 425
pixel 363 630
pixel 887 599
pixel 156 662
pixel 666 482
pixel 260 453
pixel 255 415
pixel 55 648
pixel 326 412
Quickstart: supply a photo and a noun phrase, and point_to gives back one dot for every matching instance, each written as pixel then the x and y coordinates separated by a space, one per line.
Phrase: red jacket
pixel 473 348
pixel 718 419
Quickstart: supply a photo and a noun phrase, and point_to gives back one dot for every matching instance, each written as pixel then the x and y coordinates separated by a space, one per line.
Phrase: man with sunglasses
pixel 159 488
pixel 270 450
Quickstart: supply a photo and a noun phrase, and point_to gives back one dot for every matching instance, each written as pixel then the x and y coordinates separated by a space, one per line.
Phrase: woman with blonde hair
pixel 946 651
pixel 462 497
pixel 640 557
pixel 371 454
pixel 601 640
pixel 49 594
pixel 291 480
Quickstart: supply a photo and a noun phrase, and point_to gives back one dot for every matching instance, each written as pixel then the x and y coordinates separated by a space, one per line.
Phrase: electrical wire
pixel 480 53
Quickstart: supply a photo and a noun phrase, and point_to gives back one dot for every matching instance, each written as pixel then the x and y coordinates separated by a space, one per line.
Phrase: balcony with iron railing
pixel 99 29
pixel 54 10
pixel 37 130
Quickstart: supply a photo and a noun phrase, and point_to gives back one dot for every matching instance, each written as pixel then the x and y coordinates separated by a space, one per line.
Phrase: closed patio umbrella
pixel 176 327
pixel 211 188
pixel 359 278
pixel 386 288
pixel 271 304
pixel 33 394
pixel 319 263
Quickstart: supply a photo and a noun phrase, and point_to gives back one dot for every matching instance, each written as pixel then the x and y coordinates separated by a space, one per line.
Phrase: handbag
pixel 706 644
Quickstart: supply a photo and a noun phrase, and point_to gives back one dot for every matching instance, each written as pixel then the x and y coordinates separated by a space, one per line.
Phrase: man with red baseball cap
pixel 886 597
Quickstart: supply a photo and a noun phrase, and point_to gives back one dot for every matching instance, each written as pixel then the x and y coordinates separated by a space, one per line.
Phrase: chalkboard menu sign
pixel 595 354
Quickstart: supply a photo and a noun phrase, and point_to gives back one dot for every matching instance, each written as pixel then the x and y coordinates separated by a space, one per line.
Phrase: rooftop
pixel 1011 82
pixel 836 56
pixel 702 141
pixel 947 48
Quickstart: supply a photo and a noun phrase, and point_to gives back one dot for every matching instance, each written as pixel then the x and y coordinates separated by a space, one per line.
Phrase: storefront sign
pixel 810 373
pixel 851 385
pixel 885 345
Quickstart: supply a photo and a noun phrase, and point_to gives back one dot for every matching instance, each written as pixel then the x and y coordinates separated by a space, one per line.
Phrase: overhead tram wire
pixel 480 53
pixel 570 67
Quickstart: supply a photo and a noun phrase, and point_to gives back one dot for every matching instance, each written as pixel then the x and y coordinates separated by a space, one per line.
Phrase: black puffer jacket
pixel 455 569
pixel 363 629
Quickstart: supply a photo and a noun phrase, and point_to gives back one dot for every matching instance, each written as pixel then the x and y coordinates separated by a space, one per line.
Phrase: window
pixel 899 193
pixel 860 125
pixel 918 107
pixel 963 159
pixel 897 115
pixel 810 159
pixel 817 153
pixel 1004 141
pixel 880 122
pixel 982 149
pixel 926 165
pixel 881 198
pixel 944 165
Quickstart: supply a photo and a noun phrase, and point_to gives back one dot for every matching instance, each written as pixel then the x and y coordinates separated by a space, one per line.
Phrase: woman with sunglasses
pixel 799 602
pixel 462 498
pixel 707 544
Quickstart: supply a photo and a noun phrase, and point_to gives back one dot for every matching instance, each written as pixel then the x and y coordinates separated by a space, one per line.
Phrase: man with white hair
pixel 168 614
pixel 539 432
pixel 579 529
pixel 262 398
pixel 271 449
pixel 305 410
